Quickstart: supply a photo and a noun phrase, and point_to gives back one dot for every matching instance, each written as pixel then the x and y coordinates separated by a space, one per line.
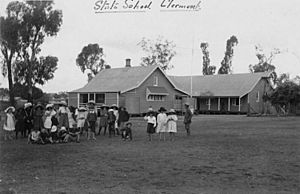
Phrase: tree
pixel 42 71
pixel 20 90
pixel 264 62
pixel 207 69
pixel 226 64
pixel 91 58
pixel 36 20
pixel 159 52
pixel 10 41
pixel 286 94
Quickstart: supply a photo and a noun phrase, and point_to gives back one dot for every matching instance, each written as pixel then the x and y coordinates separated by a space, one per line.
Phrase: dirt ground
pixel 224 154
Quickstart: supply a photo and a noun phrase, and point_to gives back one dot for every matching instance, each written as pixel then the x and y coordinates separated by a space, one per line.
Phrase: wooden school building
pixel 140 87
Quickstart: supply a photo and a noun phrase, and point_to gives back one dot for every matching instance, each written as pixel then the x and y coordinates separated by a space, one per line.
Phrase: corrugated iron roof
pixel 219 85
pixel 120 79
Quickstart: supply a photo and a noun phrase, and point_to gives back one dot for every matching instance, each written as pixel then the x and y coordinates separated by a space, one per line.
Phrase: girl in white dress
pixel 162 120
pixel 49 113
pixel 9 123
pixel 172 125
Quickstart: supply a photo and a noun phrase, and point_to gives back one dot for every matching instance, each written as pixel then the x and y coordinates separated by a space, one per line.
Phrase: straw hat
pixel 82 108
pixel 110 110
pixel 39 105
pixel 187 104
pixel 92 102
pixel 28 104
pixel 162 109
pixel 114 106
pixel 10 107
pixel 49 106
pixel 172 110
pixel 63 129
pixel 53 129
pixel 103 106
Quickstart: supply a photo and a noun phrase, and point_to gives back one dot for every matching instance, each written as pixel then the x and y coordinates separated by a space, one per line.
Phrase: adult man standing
pixel 187 118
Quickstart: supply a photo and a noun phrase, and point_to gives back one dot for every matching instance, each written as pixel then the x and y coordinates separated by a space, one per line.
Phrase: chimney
pixel 127 64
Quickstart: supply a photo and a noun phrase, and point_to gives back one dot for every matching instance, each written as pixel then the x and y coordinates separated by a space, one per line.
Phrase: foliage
pixel 285 95
pixel 10 41
pixel 91 58
pixel 207 69
pixel 159 52
pixel 265 62
pixel 21 90
pixel 226 64
pixel 61 95
pixel 30 23
pixel 42 71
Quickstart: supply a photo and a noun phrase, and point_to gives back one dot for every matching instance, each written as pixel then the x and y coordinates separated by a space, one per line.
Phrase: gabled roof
pixel 120 79
pixel 235 85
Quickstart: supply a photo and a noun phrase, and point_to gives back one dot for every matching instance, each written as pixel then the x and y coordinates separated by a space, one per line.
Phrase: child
pixel 74 134
pixel 162 123
pixel 103 119
pixel 172 126
pixel 111 119
pixel 80 118
pixel 62 134
pixel 34 137
pixel 49 113
pixel 38 117
pixel 53 134
pixel 9 123
pixel 127 132
pixel 45 136
pixel 91 120
pixel 151 124
pixel 116 113
pixel 63 115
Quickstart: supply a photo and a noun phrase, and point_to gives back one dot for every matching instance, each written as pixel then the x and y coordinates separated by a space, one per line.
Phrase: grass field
pixel 224 154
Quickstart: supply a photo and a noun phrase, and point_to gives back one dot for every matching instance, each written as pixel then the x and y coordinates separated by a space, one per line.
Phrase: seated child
pixel 74 134
pixel 62 135
pixel 127 132
pixel 53 134
pixel 34 137
pixel 45 136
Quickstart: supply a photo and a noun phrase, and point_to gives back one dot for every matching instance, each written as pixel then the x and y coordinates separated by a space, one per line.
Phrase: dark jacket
pixel 188 116
pixel 123 116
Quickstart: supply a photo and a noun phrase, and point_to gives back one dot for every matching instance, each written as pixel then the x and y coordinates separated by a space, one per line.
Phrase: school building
pixel 227 93
pixel 140 87
pixel 136 88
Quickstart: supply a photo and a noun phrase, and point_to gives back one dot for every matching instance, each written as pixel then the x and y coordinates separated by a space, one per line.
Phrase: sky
pixel 269 23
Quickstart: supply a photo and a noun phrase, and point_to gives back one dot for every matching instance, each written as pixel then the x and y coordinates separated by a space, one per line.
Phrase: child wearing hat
pixel 111 120
pixel 9 123
pixel 172 125
pixel 63 115
pixel 151 124
pixel 80 118
pixel 91 120
pixel 49 113
pixel 162 120
pixel 103 118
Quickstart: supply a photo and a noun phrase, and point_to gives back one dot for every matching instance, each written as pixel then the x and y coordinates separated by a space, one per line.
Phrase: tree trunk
pixel 10 83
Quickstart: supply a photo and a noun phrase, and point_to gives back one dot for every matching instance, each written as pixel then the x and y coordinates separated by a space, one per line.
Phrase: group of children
pixel 64 124
pixel 162 123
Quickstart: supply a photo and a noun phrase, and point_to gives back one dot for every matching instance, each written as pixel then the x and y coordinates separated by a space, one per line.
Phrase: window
pixel 155 81
pixel 257 96
pixel 178 97
pixel 100 98
pixel 235 101
pixel 152 97
pixel 92 97
pixel 83 98
pixel 207 101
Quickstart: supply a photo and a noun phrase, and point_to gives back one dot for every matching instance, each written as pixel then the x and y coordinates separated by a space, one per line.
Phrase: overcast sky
pixel 270 23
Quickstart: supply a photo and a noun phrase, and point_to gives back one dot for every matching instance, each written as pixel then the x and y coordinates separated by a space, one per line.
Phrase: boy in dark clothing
pixel 187 119
pixel 111 119
pixel 91 120
pixel 127 132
